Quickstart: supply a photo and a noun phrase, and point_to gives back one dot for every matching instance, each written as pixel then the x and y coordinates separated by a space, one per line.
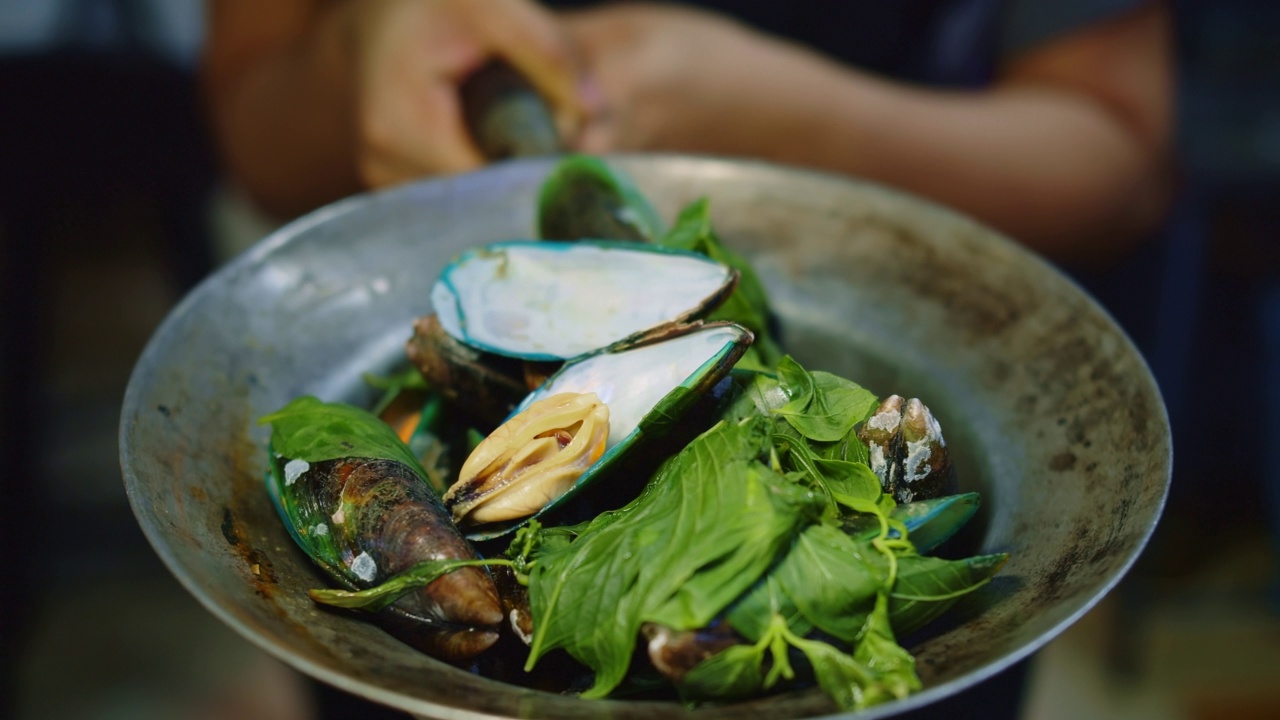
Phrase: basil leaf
pixel 410 378
pixel 823 407
pixel 849 448
pixel 752 613
pixel 878 670
pixel 381 596
pixel 712 588
pixel 839 675
pixel 314 431
pixel 878 649
pixel 850 479
pixel 748 304
pixel 711 506
pixel 854 479
pixel 927 586
pixel 757 394
pixel 730 674
pixel 827 579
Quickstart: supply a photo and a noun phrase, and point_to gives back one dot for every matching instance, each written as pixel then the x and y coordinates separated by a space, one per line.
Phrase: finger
pixel 381 170
pixel 416 133
pixel 532 40
pixel 597 137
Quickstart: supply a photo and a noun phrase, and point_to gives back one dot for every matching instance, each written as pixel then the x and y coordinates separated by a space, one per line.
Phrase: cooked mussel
pixel 531 459
pixel 583 197
pixel 485 385
pixel 906 450
pixel 559 429
pixel 358 504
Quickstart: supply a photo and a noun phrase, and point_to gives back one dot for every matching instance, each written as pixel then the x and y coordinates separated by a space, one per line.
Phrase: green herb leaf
pixel 753 614
pixel 711 508
pixel 829 581
pixel 748 304
pixel 928 586
pixel 823 407
pixel 840 676
pixel 410 378
pixel 380 596
pixel 311 430
pixel 730 674
pixel 878 649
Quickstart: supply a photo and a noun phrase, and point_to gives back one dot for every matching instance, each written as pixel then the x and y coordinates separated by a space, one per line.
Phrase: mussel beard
pixel 531 459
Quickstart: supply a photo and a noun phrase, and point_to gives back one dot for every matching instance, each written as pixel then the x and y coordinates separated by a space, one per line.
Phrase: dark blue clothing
pixel 952 43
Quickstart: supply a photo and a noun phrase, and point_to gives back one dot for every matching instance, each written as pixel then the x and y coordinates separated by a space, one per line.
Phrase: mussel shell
pixel 363 520
pixel 648 387
pixel 487 386
pixel 583 197
pixel 559 300
pixel 505 115
pixel 929 523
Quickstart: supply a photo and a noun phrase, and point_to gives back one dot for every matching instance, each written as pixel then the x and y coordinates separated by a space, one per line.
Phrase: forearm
pixel 1067 153
pixel 1053 169
pixel 285 121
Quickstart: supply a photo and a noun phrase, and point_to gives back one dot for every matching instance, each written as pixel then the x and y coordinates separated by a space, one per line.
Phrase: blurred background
pixel 109 206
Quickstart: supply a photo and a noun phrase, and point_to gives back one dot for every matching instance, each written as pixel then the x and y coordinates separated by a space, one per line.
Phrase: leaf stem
pixel 380 596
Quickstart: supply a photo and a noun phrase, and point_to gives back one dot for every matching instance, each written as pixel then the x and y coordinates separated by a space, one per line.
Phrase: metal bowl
pixel 1051 411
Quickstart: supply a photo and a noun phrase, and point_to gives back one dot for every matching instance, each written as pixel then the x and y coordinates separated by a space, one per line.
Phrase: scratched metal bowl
pixel 1052 413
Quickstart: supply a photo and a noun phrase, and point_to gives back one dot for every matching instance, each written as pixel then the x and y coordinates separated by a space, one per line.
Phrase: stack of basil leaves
pixel 749 525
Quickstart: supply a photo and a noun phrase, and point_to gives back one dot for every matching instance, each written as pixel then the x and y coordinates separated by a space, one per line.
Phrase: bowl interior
pixel 1048 408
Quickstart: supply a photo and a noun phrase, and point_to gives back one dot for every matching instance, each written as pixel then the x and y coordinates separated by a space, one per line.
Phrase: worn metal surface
pixel 1052 414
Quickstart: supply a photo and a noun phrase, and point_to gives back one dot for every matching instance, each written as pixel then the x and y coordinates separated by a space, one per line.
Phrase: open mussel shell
pixel 558 300
pixel 646 387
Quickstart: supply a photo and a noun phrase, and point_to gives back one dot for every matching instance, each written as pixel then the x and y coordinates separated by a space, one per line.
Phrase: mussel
pixel 358 504
pixel 584 198
pixel 906 450
pixel 487 386
pixel 623 317
pixel 637 390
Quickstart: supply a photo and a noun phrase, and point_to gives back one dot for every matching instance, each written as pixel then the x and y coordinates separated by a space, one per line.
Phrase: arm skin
pixel 313 100
pixel 1068 152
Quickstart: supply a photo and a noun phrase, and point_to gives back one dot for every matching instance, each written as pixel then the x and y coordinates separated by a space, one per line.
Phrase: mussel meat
pixel 531 459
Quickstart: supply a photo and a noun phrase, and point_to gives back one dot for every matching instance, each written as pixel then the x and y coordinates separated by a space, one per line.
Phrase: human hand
pixel 674 78
pixel 409 57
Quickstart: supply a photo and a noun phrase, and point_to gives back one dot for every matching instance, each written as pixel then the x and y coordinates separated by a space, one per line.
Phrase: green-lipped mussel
pixel 367 514
pixel 616 397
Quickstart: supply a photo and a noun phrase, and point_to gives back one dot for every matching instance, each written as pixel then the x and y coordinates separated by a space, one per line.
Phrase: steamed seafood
pixel 779 543
pixel 365 514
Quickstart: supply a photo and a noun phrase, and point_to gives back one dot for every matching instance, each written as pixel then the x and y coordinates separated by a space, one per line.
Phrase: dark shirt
pixel 955 43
